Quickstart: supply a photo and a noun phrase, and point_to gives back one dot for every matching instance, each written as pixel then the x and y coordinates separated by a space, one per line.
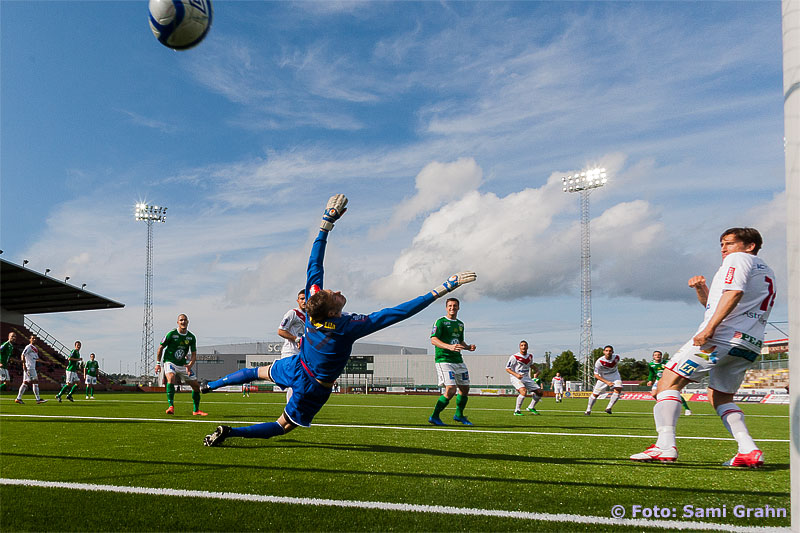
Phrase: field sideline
pixel 374 463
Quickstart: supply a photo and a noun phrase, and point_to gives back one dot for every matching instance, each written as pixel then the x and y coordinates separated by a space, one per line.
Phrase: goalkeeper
pixel 329 337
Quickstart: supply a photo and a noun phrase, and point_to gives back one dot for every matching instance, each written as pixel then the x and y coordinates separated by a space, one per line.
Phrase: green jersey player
pixel 71 381
pixel 6 351
pixel 656 368
pixel 90 376
pixel 177 344
pixel 447 337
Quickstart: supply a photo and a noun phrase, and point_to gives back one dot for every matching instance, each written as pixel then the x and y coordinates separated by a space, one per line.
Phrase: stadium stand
pixel 24 291
pixel 766 379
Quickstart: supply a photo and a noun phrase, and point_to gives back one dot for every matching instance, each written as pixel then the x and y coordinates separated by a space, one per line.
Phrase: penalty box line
pixel 356 426
pixel 387 506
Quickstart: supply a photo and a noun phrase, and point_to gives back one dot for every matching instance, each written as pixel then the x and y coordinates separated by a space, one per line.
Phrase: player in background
pixel 30 354
pixel 245 390
pixel 447 337
pixel 558 386
pixel 291 330
pixel 71 379
pixel 606 372
pixel 329 336
pixel 725 345
pixel 174 348
pixel 656 369
pixel 6 351
pixel 519 368
pixel 90 375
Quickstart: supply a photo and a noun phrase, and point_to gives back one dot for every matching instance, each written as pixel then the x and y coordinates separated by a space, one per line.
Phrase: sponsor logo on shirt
pixel 729 275
pixel 747 338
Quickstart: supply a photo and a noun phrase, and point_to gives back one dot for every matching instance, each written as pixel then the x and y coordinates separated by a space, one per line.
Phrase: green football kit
pixel 449 332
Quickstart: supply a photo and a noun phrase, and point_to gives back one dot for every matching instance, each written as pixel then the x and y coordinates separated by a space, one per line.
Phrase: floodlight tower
pixel 149 214
pixel 584 182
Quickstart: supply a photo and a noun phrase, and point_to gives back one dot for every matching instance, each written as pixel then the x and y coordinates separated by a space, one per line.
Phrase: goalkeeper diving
pixel 329 336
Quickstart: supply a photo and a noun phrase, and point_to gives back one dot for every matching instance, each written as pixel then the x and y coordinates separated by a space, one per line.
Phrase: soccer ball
pixel 180 24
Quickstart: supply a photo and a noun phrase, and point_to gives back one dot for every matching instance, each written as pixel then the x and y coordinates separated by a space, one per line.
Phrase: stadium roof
pixel 29 292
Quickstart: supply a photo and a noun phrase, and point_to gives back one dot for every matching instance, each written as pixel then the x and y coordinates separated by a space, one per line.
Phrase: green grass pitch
pixel 375 448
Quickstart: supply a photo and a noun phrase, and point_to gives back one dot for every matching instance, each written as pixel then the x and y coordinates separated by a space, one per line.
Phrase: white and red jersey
pixel 744 326
pixel 558 382
pixel 294 322
pixel 521 364
pixel 31 355
pixel 607 368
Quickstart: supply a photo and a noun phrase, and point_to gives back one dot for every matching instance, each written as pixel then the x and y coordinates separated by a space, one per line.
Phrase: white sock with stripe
pixel 666 413
pixel 733 418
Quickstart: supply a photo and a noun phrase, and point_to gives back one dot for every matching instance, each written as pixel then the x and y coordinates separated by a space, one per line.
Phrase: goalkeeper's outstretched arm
pixel 453 282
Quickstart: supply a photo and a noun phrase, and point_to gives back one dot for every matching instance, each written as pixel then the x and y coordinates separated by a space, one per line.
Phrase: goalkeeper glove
pixel 333 211
pixel 453 282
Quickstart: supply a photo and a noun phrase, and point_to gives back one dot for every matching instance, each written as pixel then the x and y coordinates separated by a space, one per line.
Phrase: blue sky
pixel 448 125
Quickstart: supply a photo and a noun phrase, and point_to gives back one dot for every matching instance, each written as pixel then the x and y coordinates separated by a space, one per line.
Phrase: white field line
pixel 386 506
pixel 355 426
pixel 206 401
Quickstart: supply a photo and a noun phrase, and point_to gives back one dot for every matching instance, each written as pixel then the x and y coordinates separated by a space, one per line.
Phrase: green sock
pixel 441 403
pixel 72 389
pixel 89 391
pixel 61 392
pixel 3 386
pixel 461 403
pixel 685 405
pixel 170 393
pixel 196 400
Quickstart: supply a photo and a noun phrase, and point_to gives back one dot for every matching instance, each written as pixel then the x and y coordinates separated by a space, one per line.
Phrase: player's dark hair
pixel 303 291
pixel 319 305
pixel 452 300
pixel 609 346
pixel 746 235
pixel 658 352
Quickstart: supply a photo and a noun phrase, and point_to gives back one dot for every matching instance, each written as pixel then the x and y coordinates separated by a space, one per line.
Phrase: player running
pixel 71 379
pixel 606 372
pixel 558 387
pixel 726 344
pixel 30 355
pixel 519 368
pixel 656 369
pixel 330 334
pixel 447 338
pixel 174 348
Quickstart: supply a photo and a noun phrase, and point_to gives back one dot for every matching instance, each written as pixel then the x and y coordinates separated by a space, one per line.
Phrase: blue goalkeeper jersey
pixel 327 346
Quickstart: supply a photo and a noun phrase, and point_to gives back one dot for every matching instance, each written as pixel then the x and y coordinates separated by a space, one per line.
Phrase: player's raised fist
pixel 453 282
pixel 697 281
pixel 333 211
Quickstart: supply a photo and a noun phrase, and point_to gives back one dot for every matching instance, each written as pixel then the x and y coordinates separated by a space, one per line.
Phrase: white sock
pixel 22 389
pixel 36 391
pixel 666 413
pixel 613 400
pixel 534 400
pixel 520 399
pixel 733 418
pixel 592 399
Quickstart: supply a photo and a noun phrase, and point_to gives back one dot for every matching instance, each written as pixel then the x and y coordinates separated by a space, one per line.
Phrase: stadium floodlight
pixel 83 286
pixel 149 214
pixel 25 262
pixel 46 271
pixel 66 279
pixel 585 182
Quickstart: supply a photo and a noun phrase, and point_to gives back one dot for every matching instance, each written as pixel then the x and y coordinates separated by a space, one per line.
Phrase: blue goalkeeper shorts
pixel 308 396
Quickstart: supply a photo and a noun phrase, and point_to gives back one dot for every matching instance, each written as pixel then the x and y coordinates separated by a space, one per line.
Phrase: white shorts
pixel 30 375
pixel 91 380
pixel 525 382
pixel 4 375
pixel 558 390
pixel 172 368
pixel 600 387
pixel 72 377
pixel 725 364
pixel 452 374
